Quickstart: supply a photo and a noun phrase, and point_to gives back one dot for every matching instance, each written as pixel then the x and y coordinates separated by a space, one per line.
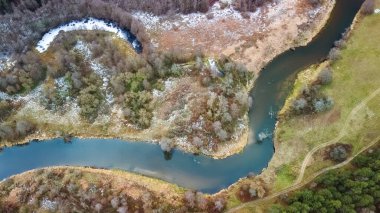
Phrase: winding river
pixel 187 170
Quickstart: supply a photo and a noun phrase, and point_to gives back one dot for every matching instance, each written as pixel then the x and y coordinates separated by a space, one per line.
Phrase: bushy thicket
pixel 311 100
pixel 228 100
pixel 6 108
pixel 26 73
pixel 90 97
pixel 68 190
pixel 339 152
pixel 255 189
pixel 355 189
pixel 15 129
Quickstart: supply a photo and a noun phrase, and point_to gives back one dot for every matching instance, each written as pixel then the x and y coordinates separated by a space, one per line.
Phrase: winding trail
pixel 300 182
pixel 342 133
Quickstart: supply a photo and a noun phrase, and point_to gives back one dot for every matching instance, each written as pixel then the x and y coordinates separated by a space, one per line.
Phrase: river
pixel 196 172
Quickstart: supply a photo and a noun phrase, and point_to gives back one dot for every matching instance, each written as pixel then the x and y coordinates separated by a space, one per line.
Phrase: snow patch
pixel 49 205
pixel 33 95
pixel 62 85
pixel 152 22
pixel 169 84
pixel 214 68
pixel 84 24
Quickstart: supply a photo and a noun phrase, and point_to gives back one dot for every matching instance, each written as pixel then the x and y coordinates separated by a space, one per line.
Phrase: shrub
pixel 5 109
pixel 368 7
pixel 334 54
pixel 325 76
pixel 339 153
pixel 315 3
pixel 23 128
pixel 89 101
pixel 299 105
pixel 322 104
pixel 210 15
pixel 190 198
pixel 166 145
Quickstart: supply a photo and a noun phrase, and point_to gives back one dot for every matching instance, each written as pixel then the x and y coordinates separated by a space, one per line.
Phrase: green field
pixel 355 77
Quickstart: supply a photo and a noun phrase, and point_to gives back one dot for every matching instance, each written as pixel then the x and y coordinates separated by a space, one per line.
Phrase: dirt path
pixel 342 133
pixel 299 182
pixel 308 180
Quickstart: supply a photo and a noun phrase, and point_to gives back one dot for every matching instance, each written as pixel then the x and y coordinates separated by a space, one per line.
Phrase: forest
pixel 158 7
pixel 355 188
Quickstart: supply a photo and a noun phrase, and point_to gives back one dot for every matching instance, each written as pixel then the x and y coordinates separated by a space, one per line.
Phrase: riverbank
pixel 303 133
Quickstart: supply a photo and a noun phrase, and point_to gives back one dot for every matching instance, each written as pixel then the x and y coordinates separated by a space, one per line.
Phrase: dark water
pixel 197 172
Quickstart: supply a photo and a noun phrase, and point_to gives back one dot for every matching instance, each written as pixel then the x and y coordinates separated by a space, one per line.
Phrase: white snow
pixel 6 62
pixel 169 84
pixel 84 24
pixel 214 68
pixel 61 85
pixel 49 205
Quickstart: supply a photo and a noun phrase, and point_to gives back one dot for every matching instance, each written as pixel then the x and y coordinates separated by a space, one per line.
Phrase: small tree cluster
pixel 251 191
pixel 339 152
pixel 334 54
pixel 197 201
pixel 24 75
pixel 89 100
pixel 6 108
pixel 310 99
